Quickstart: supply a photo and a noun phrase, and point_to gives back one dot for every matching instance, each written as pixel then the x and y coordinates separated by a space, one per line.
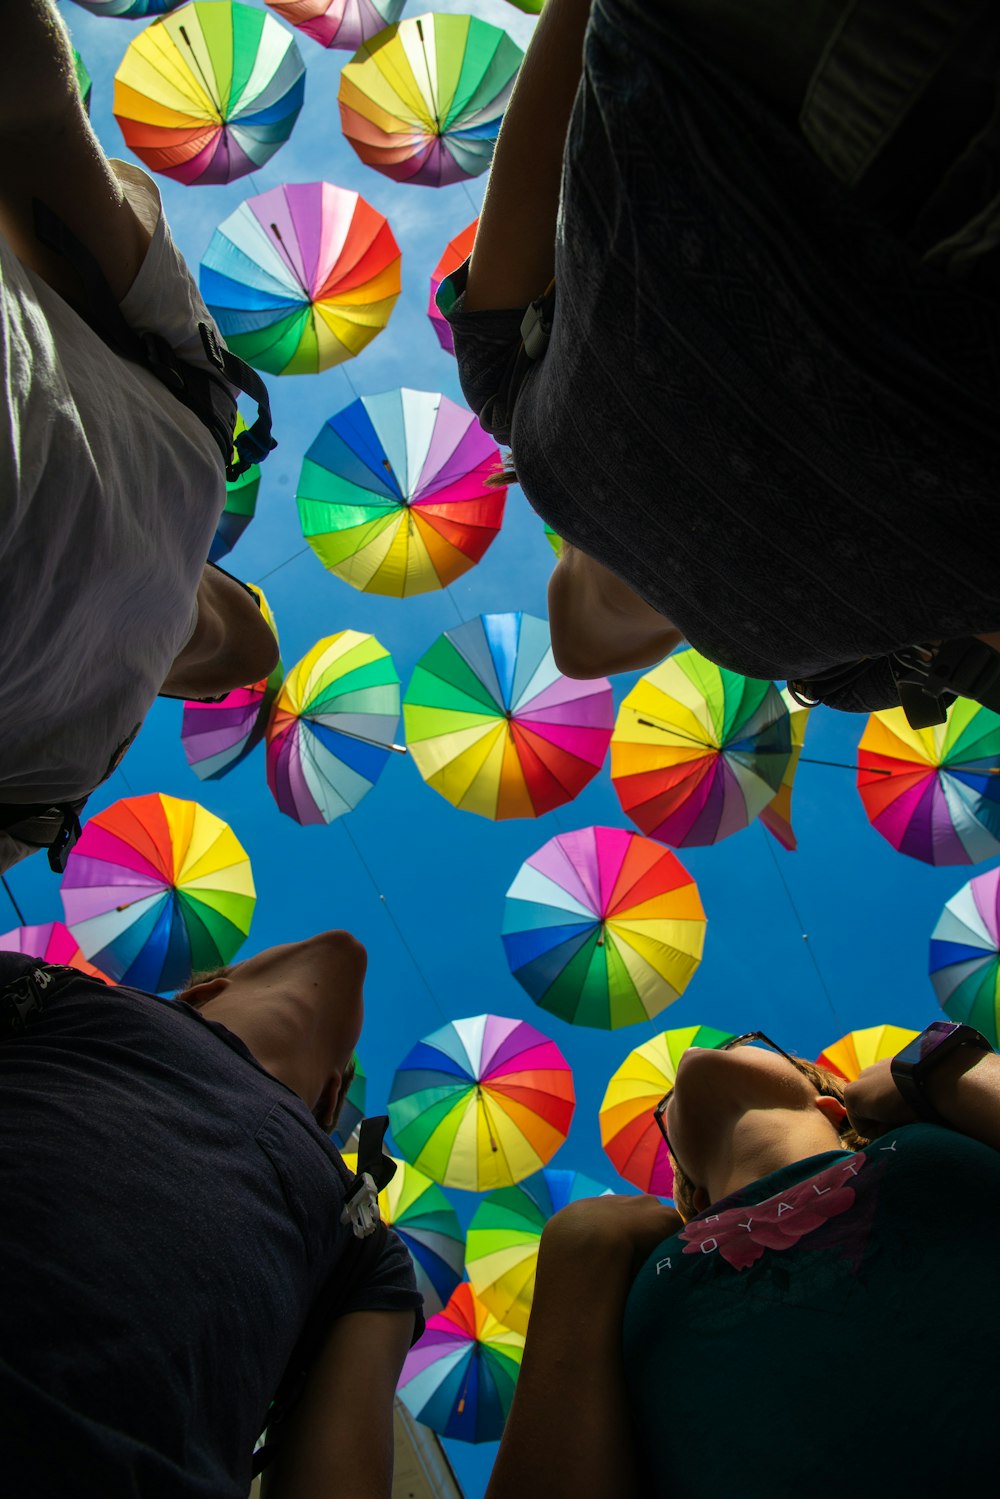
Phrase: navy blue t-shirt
pixel 169 1212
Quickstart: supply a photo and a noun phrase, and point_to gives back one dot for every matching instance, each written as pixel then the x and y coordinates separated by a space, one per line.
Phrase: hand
pixel 875 1104
pixel 606 1237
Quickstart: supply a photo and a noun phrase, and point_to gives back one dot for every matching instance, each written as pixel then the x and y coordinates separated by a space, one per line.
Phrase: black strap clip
pixel 375 1171
pixel 930 678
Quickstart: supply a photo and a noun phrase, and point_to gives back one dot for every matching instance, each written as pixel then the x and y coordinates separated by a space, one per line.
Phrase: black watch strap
pixel 912 1066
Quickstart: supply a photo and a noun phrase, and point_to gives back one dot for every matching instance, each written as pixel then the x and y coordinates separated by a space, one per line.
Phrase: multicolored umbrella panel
pixel 339 23
pixel 422 102
pixel 849 1056
pixel 777 815
pixel 301 277
pixel 84 82
pixel 482 1103
pixel 353 1110
pixel 629 1133
pixel 965 955
pixel 502 1244
pixel 698 752
pixel 456 253
pixel 158 888
pixel 459 1378
pixel 495 728
pixel 217 736
pixel 209 93
pixel 131 10
pixel 332 727
pixel 52 943
pixel 934 794
pixel 393 496
pixel 603 927
pixel 419 1212
pixel 241 505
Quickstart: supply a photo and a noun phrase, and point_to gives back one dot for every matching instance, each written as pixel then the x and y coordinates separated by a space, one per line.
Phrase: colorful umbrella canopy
pixel 216 736
pixel 209 93
pixel 393 495
pixel 603 927
pixel 339 23
pixel 698 751
pixel 629 1133
pixel 241 506
pixel 301 277
pixel 849 1056
pixel 428 1225
pixel 459 1378
pixel 353 1110
pixel 332 727
pixel 84 82
pixel 501 1249
pixel 965 955
pixel 495 728
pixel 53 943
pixel 423 101
pixel 777 815
pixel 156 889
pixel 554 540
pixel 129 9
pixel 482 1103
pixel 934 793
pixel 456 252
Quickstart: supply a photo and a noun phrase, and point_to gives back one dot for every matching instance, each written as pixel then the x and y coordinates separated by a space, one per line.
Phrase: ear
pixel 832 1108
pixel 701 1199
pixel 328 1104
pixel 199 995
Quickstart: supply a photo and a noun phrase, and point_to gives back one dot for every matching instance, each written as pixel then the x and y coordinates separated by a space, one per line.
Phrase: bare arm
pixel 339 1438
pixel 569 1434
pixel 513 258
pixel 964 1089
pixel 599 625
pixel 48 150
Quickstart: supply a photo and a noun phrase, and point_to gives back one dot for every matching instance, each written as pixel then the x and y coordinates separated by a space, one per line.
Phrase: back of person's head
pixel 824 1081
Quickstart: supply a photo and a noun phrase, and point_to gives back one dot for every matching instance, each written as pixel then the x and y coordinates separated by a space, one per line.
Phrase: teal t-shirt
pixel 833 1328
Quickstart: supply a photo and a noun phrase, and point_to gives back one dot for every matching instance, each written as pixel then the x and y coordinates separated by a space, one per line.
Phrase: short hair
pixel 203 976
pixel 824 1082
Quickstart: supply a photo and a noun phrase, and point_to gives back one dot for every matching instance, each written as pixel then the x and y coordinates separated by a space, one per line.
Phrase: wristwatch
pixel 911 1066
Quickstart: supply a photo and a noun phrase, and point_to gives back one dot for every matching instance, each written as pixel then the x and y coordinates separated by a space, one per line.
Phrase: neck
pixel 765 1140
pixel 288 1034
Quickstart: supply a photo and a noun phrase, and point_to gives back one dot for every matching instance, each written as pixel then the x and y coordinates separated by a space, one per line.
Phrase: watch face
pixel 923 1046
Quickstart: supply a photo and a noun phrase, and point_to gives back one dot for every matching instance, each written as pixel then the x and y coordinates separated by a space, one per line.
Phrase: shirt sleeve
pixel 486 344
pixel 390 1286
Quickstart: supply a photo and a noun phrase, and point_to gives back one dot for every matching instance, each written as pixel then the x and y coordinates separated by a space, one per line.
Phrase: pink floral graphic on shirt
pixel 742 1234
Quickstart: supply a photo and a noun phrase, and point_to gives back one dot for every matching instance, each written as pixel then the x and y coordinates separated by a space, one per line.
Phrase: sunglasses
pixel 749 1038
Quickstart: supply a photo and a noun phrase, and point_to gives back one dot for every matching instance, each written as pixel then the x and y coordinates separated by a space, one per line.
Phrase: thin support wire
pixel 388 911
pixel 10 894
pixel 278 566
pixel 805 935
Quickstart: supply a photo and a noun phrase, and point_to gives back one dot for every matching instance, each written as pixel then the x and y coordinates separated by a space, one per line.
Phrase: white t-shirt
pixel 110 491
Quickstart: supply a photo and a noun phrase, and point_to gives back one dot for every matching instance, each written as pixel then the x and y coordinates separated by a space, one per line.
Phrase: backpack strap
pixel 205 392
pixel 55 826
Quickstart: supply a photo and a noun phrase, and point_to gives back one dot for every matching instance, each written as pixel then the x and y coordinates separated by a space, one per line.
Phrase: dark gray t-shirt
pixel 169 1212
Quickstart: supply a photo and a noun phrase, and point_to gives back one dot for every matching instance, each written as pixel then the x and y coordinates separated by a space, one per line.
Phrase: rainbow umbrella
pixel 934 793
pixel 603 927
pixel 129 9
pixel 495 728
pixel 215 736
pixel 241 505
pixel 849 1056
pixel 456 253
pixel 84 82
pixel 428 1225
pixel 629 1133
pixel 777 815
pixel 422 102
pixel 554 540
pixel 301 277
pixel 52 943
pixel 698 751
pixel 501 1249
pixel 156 889
pixel 459 1378
pixel 209 93
pixel 353 1111
pixel 332 727
pixel 339 23
pixel 965 955
pixel 393 496
pixel 482 1102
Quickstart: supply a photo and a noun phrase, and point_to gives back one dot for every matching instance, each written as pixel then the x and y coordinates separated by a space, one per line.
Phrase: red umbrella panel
pixel 457 252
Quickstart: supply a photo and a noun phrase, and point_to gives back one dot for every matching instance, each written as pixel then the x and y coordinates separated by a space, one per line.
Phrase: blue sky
pixel 438 875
